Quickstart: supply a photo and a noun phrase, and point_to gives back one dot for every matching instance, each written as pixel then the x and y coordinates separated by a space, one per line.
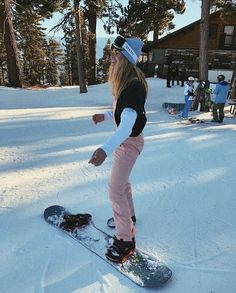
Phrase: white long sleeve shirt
pixel 123 131
pixel 188 88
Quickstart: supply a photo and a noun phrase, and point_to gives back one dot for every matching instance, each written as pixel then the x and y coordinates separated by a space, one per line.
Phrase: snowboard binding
pixel 72 222
pixel 120 250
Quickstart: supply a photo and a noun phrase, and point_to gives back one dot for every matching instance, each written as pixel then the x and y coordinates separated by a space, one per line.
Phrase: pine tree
pixel 111 14
pixel 142 17
pixel 31 42
pixel 54 60
pixel 227 7
pixel 104 63
pixel 79 49
pixel 92 10
pixel 70 64
pixel 3 62
pixel 7 29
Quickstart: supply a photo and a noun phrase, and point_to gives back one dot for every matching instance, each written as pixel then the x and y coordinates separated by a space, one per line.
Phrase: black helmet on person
pixel 221 77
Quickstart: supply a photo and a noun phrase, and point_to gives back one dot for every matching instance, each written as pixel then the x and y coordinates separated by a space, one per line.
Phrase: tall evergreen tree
pixel 3 61
pixel 93 9
pixel 54 60
pixel 79 49
pixel 70 64
pixel 142 17
pixel 44 8
pixel 31 40
pixel 6 28
pixel 227 7
pixel 104 63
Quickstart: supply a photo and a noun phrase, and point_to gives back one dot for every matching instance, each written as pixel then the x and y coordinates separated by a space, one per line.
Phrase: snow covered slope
pixel 183 185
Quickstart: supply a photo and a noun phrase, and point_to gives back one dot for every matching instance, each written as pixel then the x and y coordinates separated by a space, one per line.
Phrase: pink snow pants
pixel 120 192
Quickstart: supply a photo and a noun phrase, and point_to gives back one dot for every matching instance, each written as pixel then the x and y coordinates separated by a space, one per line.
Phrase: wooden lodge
pixel 182 48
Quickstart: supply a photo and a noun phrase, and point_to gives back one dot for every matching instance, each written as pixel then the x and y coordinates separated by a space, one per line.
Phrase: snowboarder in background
pixel 129 90
pixel 221 94
pixel 188 96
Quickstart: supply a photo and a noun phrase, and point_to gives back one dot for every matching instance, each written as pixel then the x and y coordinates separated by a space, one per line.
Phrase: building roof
pixel 149 45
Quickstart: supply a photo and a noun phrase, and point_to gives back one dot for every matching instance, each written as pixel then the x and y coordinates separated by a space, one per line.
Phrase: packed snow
pixel 183 188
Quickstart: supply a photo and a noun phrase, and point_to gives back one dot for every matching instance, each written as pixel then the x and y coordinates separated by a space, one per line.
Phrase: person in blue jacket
pixel 221 93
pixel 188 96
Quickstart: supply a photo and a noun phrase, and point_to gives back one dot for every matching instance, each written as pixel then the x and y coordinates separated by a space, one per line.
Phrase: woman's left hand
pixel 98 157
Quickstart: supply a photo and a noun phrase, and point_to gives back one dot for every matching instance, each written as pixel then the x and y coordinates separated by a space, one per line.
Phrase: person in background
pixel 182 75
pixel 129 89
pixel 188 96
pixel 221 94
pixel 168 76
pixel 174 75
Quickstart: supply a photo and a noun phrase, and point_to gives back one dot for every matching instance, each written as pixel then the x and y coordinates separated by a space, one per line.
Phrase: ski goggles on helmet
pixel 118 43
pixel 122 45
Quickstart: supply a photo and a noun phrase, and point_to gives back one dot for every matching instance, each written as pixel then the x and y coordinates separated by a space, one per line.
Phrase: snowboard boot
pixel 71 222
pixel 111 222
pixel 120 250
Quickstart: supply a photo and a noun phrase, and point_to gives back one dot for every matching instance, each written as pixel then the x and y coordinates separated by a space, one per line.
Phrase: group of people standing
pixel 220 93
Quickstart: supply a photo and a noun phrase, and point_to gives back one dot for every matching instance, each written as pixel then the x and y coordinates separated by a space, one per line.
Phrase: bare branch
pixel 62 22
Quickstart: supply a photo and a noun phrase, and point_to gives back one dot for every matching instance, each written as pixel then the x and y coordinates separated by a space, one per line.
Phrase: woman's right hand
pixel 98 118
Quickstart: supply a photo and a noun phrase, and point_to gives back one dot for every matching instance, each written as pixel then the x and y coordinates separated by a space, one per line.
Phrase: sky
pixel 192 13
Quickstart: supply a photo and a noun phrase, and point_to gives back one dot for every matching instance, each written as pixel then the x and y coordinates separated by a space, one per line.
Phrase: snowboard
pixel 141 268
pixel 193 120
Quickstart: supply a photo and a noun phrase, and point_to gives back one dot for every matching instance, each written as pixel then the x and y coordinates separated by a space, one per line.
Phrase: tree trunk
pixel 6 27
pixel 204 33
pixel 92 18
pixel 79 52
pixel 1 75
pixel 156 33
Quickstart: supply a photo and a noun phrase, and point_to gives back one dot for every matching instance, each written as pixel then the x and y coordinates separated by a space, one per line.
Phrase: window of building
pixel 229 31
pixel 150 57
pixel 213 31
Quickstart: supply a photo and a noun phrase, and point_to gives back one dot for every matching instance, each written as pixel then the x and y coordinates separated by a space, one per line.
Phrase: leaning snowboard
pixel 141 268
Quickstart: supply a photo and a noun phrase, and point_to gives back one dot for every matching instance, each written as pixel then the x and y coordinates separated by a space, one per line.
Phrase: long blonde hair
pixel 121 73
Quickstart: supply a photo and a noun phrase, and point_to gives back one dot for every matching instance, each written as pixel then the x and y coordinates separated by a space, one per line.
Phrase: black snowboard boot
pixel 120 250
pixel 111 222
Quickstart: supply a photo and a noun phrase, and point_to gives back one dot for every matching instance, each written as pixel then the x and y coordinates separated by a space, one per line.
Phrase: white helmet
pixel 190 78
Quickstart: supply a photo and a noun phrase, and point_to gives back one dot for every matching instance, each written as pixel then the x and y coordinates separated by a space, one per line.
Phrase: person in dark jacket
pixel 221 94
pixel 175 74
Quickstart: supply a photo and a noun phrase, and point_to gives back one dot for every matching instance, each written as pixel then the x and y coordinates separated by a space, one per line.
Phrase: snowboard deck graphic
pixel 141 268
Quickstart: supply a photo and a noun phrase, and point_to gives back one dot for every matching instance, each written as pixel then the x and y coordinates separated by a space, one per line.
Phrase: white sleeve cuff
pixel 108 115
pixel 128 118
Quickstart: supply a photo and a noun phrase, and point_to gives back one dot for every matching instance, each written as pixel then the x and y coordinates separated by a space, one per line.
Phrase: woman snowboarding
pixel 129 90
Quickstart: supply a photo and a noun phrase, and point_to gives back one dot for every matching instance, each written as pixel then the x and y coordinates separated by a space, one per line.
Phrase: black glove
pixel 191 94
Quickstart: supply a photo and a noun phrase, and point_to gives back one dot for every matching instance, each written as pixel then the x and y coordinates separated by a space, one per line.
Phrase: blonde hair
pixel 121 73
